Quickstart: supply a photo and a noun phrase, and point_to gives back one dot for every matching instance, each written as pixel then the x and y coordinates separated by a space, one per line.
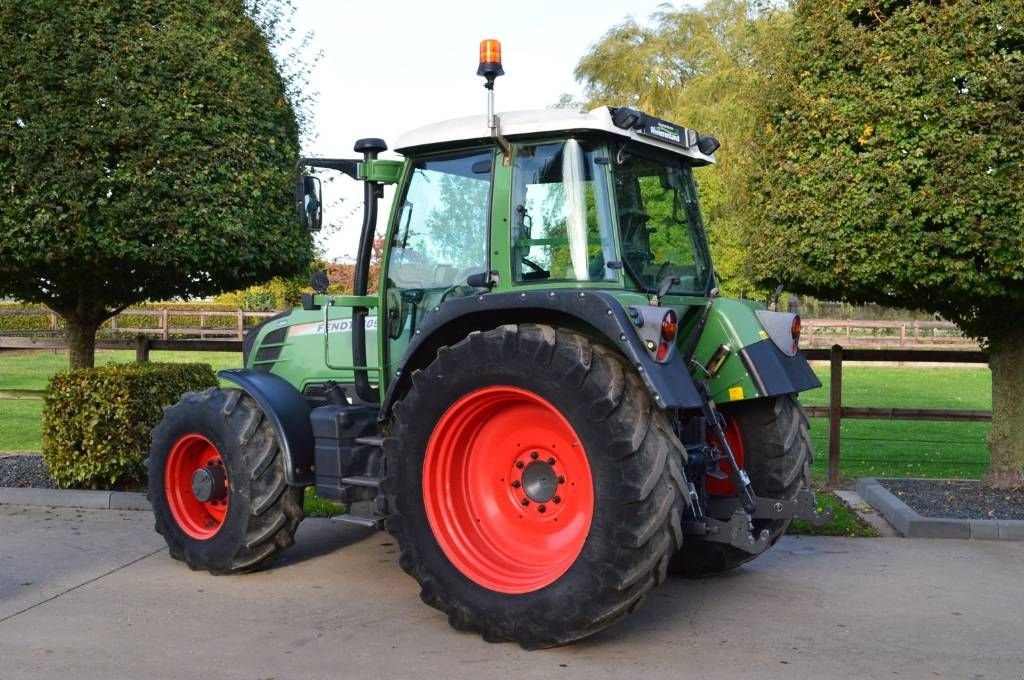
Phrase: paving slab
pixel 338 606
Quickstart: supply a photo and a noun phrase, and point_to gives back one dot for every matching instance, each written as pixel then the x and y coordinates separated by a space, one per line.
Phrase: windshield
pixel 660 225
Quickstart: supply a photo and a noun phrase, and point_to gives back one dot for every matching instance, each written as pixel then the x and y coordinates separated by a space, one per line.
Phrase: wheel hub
pixel 539 481
pixel 209 483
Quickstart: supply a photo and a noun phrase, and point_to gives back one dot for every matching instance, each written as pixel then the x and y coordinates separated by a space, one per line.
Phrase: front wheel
pixel 217 484
pixel 771 440
pixel 534 487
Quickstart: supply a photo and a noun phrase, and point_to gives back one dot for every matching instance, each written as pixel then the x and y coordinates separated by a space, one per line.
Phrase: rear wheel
pixel 771 440
pixel 534 488
pixel 217 484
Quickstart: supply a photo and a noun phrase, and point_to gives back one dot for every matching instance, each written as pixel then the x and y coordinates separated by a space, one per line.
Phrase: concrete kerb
pixel 74 498
pixel 912 525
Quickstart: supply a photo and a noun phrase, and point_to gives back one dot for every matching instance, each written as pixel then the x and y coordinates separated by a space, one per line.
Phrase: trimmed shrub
pixel 96 421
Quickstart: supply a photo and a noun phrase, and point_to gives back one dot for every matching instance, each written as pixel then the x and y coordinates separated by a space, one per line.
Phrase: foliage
pixel 892 160
pixel 278 293
pixel 96 421
pixel 696 67
pixel 147 150
pixel 892 166
pixel 844 522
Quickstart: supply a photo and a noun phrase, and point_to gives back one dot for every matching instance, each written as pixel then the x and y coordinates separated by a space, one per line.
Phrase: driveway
pixel 93 594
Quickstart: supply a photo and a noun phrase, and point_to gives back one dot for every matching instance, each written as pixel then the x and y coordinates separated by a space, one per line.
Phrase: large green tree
pixel 697 67
pixel 146 152
pixel 892 157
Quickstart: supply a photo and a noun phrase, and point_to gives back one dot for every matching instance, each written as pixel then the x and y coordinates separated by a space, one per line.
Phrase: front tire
pixel 776 445
pixel 489 435
pixel 217 484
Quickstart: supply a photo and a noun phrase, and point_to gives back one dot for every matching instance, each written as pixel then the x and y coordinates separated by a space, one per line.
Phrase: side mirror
pixel 309 202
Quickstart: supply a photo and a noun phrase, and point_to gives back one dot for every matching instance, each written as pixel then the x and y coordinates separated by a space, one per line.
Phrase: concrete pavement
pixel 90 594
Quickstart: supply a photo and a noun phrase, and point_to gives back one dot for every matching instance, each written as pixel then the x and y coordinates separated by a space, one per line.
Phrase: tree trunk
pixel 1006 439
pixel 82 342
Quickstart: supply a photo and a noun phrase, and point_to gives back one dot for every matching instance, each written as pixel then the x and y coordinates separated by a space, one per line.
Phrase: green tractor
pixel 545 402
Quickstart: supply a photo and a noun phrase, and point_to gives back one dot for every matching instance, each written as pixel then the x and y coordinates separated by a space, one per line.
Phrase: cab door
pixel 437 240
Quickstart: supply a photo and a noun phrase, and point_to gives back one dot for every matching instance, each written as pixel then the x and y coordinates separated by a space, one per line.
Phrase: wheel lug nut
pixel 516 484
pixel 561 479
pixel 541 508
pixel 534 455
pixel 519 464
pixel 551 461
pixel 526 501
pixel 556 500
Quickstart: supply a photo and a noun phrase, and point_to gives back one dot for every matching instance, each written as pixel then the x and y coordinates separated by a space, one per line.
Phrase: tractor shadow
pixel 317 537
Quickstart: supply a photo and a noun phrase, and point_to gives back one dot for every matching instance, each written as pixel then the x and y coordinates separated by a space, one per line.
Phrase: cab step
pixel 366 482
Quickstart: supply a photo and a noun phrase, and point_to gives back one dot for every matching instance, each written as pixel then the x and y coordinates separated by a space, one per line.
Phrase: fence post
pixel 141 349
pixel 164 324
pixel 241 325
pixel 835 406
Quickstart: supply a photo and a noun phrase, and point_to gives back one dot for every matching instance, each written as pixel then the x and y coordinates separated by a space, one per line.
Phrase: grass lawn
pixel 31 371
pixel 905 448
pixel 21 425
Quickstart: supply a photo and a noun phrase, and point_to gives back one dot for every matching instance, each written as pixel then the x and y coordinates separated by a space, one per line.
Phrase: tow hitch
pixel 738 531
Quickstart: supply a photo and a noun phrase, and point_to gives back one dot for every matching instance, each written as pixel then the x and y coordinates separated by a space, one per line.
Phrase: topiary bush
pixel 96 421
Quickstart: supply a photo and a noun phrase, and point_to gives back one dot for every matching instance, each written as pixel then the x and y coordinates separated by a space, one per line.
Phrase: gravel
pixel 25 470
pixel 957 499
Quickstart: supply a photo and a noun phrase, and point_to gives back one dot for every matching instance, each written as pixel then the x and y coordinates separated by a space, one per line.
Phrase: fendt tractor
pixel 546 401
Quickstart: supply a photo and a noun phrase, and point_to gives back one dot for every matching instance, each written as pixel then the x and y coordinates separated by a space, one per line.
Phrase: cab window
pixel 562 226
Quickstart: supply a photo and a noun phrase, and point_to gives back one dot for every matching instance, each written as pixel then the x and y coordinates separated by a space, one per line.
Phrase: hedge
pixel 96 421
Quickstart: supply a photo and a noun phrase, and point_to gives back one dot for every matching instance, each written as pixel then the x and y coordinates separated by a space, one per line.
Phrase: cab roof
pixel 532 124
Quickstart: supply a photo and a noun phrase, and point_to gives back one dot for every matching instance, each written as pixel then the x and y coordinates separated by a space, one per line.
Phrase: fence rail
pixel 817 333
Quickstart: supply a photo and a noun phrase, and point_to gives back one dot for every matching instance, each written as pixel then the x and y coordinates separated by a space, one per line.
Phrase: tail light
pixel 794 330
pixel 669 326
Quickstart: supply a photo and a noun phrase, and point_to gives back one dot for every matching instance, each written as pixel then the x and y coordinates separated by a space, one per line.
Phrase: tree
pixel 147 150
pixel 892 157
pixel 696 67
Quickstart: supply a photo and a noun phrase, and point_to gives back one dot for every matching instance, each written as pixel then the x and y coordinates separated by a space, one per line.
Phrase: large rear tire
pixel 777 453
pixel 535 491
pixel 217 484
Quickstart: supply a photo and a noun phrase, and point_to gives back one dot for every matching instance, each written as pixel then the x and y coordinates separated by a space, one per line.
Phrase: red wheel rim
pixel 488 473
pixel 200 519
pixel 725 487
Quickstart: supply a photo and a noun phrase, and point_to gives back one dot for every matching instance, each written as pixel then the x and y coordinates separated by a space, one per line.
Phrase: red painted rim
pixel 486 452
pixel 198 519
pixel 725 487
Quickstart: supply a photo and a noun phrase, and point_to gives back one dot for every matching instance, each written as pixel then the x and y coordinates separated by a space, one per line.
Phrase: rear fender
pixel 288 413
pixel 744 360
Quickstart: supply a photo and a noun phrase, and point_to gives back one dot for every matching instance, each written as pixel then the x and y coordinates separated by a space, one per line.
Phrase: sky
pixel 388 66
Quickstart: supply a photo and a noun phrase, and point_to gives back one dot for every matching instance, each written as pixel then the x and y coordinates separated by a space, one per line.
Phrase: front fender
pixel 669 383
pixel 287 412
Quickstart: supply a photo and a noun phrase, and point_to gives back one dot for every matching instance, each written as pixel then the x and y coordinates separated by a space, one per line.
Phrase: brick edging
pixel 74 498
pixel 912 525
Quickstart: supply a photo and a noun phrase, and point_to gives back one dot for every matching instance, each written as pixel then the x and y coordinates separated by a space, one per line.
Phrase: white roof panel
pixel 518 123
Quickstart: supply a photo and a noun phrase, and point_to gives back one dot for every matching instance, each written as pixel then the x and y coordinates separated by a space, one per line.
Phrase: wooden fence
pixel 164 327
pixel 835 355
pixel 823 333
